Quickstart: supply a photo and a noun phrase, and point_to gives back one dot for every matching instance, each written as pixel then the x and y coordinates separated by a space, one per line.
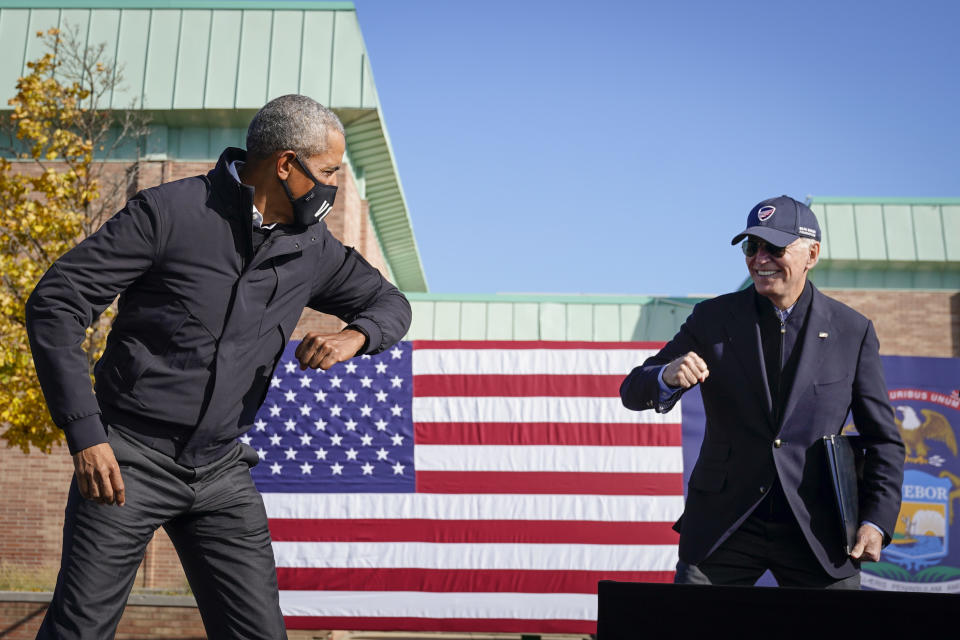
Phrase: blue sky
pixel 616 147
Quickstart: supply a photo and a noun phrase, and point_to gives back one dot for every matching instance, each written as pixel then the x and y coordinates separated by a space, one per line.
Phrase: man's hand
pixel 686 371
pixel 324 350
pixel 869 543
pixel 98 475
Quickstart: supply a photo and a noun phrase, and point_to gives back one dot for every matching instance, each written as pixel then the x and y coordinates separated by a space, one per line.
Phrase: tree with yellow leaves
pixel 50 188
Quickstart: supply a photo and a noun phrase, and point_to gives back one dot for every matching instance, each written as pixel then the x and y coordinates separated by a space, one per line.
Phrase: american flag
pixel 465 486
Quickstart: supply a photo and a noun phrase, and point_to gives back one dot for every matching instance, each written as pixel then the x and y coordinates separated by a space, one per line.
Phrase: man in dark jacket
pixel 213 273
pixel 780 365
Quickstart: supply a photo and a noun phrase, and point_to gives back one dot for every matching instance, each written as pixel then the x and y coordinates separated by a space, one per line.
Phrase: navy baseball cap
pixel 780 221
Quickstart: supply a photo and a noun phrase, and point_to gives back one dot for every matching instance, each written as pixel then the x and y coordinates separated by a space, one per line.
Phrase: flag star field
pixel 346 430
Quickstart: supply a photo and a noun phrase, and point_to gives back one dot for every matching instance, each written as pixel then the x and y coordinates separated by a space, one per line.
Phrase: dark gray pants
pixel 216 520
pixel 759 545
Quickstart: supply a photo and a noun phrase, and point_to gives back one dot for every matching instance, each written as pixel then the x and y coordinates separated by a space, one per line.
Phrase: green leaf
pixel 937 574
pixel 887 570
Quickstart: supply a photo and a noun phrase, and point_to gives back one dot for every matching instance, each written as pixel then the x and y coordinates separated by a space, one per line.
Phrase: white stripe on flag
pixel 407 604
pixel 449 457
pixel 528 361
pixel 434 555
pixel 536 409
pixel 395 506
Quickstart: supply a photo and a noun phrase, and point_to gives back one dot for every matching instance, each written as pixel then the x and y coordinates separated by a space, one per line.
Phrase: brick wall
pixel 21 620
pixel 910 323
pixel 34 486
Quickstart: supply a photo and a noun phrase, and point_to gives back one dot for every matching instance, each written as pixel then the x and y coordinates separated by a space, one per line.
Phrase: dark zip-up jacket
pixel 202 318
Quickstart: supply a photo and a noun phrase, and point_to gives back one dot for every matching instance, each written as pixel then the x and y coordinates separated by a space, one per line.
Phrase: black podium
pixel 636 610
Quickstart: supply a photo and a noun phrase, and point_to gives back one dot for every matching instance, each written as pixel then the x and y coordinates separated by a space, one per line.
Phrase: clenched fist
pixel 324 350
pixel 686 371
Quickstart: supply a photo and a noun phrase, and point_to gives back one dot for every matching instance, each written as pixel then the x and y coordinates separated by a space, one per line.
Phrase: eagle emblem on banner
pixel 915 432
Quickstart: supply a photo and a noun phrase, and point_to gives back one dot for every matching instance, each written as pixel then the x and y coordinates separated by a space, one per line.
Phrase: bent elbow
pixel 405 312
pixel 32 311
pixel 628 398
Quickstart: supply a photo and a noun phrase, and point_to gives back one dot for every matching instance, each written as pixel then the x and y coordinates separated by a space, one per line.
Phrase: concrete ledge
pixel 135 600
pixel 25 596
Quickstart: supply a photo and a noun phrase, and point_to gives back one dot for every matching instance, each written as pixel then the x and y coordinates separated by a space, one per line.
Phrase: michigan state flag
pixel 925 552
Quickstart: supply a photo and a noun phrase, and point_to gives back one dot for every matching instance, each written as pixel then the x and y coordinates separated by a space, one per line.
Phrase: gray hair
pixel 806 244
pixel 293 122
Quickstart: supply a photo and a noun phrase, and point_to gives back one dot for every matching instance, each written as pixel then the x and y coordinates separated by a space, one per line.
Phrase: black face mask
pixel 314 205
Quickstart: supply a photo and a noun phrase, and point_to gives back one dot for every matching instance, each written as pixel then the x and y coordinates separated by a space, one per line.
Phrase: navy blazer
pixel 744 449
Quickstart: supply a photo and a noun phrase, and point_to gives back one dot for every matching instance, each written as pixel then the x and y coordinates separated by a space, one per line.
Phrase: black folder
pixel 845 461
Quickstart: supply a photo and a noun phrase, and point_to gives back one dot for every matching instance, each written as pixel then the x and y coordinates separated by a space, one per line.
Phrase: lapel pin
pixel 823 334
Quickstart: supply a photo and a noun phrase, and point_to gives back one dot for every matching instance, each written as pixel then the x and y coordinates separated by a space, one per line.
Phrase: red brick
pixel 909 323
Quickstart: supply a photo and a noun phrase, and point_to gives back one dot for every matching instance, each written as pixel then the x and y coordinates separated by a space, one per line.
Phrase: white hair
pixel 806 244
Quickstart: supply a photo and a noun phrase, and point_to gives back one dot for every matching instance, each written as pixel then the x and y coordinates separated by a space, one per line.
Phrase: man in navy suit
pixel 780 366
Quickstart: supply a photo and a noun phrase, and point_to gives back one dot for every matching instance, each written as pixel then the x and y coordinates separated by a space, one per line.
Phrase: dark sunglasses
pixel 750 248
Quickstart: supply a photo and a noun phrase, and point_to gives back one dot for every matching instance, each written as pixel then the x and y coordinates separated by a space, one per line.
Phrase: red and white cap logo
pixel 765 213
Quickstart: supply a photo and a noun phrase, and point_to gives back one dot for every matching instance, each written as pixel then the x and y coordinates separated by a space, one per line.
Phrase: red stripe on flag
pixel 549 433
pixel 518 386
pixel 456 581
pixel 502 625
pixel 472 531
pixel 550 482
pixel 531 344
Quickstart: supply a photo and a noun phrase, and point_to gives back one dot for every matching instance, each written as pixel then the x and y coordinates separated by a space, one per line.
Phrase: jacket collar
pixel 234 201
pixel 798 312
pixel 743 337
pixel 236 198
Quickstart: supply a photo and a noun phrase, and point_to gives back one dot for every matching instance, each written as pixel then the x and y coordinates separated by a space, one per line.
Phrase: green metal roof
pixel 546 317
pixel 202 69
pixel 900 243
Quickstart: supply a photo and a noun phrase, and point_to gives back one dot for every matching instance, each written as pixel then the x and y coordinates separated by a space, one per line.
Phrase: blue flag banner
pixel 349 430
pixel 925 552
